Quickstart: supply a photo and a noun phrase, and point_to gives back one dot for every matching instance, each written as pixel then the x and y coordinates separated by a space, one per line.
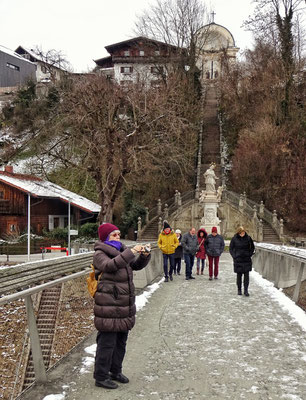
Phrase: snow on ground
pixel 285 302
pixel 54 397
pixel 294 251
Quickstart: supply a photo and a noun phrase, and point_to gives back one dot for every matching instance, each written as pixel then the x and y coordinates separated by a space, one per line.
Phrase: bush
pixel 129 217
pixel 89 229
pixel 58 234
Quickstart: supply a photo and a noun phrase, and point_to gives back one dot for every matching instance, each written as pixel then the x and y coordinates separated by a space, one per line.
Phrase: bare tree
pixel 182 23
pixel 117 135
pixel 273 22
pixel 54 62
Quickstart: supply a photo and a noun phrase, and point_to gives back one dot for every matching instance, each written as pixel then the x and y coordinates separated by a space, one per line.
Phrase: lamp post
pixel 69 227
pixel 29 226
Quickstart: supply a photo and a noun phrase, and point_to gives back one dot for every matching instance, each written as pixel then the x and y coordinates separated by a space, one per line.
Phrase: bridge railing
pixel 282 265
pixel 25 282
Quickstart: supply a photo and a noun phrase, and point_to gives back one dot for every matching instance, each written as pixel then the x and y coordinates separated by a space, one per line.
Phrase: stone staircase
pixel 150 233
pixel 211 135
pixel 46 320
pixel 269 235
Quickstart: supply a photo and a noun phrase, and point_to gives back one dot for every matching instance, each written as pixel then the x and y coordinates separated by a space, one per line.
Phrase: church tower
pixel 214 42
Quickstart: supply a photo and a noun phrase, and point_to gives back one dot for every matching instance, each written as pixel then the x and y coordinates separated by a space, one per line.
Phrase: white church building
pixel 214 43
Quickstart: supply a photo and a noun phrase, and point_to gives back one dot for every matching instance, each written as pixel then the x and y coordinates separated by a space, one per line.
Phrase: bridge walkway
pixel 199 340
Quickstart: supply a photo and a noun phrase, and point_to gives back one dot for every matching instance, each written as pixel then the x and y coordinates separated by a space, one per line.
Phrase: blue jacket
pixel 214 245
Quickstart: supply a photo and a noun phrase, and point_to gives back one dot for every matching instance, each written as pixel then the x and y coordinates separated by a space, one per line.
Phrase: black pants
pixel 177 265
pixel 110 354
pixel 245 280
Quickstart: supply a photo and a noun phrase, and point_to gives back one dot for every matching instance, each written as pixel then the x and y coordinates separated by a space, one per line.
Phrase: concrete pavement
pixel 198 340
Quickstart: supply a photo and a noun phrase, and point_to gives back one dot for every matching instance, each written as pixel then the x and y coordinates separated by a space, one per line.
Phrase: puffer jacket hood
pixel 202 230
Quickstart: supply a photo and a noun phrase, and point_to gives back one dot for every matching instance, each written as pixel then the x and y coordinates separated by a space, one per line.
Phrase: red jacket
pixel 201 253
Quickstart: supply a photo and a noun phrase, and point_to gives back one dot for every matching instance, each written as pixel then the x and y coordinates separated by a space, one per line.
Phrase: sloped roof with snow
pixel 14 54
pixel 37 187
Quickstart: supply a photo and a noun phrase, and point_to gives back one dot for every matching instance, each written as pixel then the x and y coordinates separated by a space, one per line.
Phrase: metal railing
pixel 25 280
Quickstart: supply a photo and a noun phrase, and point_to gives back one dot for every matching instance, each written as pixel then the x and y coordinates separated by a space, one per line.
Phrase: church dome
pixel 214 37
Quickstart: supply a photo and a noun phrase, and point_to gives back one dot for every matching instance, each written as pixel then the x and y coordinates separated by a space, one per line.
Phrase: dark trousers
pixel 171 259
pixel 177 265
pixel 246 280
pixel 110 354
pixel 213 260
pixel 202 262
pixel 189 260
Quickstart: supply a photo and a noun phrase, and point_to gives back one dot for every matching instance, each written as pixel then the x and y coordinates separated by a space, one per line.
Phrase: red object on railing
pixel 55 248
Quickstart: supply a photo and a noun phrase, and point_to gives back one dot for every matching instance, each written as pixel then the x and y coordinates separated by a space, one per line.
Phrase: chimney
pixel 9 169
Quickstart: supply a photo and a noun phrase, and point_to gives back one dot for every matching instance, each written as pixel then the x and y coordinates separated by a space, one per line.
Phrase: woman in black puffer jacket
pixel 242 248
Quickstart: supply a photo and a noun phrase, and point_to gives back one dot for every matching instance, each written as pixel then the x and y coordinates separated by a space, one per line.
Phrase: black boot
pixel 239 292
pixel 246 293
pixel 107 384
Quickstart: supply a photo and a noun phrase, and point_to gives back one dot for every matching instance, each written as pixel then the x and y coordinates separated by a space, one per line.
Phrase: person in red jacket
pixel 201 255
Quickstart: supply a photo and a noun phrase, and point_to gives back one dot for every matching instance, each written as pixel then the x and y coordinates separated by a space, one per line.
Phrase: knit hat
pixel 166 225
pixel 214 229
pixel 105 229
pixel 178 231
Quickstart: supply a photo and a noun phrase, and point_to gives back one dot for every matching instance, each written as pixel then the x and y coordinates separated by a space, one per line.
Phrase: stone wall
pixel 152 271
pixel 277 267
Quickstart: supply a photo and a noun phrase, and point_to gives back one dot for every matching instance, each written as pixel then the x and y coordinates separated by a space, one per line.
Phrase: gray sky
pixel 81 29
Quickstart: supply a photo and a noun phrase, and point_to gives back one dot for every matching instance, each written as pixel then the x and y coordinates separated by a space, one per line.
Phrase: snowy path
pixel 199 340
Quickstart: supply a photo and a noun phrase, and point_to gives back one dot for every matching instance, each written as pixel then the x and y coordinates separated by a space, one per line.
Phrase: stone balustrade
pixel 282 265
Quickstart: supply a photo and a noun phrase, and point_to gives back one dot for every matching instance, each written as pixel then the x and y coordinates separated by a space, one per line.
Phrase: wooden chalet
pixel 137 58
pixel 49 204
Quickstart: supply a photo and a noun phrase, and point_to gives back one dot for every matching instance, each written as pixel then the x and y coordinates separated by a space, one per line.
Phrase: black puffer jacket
pixel 242 248
pixel 214 245
pixel 179 250
pixel 115 307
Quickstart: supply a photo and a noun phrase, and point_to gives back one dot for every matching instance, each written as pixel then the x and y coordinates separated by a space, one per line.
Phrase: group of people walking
pixel 114 263
pixel 191 245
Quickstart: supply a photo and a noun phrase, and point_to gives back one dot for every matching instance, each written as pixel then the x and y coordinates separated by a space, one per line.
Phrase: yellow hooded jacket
pixel 168 243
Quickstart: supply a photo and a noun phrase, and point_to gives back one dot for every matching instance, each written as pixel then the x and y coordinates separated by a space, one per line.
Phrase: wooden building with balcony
pixel 138 59
pixel 49 204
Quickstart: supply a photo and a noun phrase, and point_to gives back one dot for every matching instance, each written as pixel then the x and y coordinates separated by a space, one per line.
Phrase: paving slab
pixel 194 340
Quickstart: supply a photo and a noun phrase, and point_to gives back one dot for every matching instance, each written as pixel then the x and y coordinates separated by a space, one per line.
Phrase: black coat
pixel 179 250
pixel 242 249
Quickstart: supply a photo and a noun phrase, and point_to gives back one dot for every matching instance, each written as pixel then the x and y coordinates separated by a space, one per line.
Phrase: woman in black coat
pixel 242 248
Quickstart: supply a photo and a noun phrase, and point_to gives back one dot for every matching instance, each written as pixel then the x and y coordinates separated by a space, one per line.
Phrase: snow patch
pixel 142 299
pixel 287 304
pixel 54 397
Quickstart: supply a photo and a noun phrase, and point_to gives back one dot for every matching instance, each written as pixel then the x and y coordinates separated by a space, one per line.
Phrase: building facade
pixel 14 70
pixel 49 204
pixel 137 59
pixel 214 42
pixel 45 71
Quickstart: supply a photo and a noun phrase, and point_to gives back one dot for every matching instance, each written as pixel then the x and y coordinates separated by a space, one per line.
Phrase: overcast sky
pixel 81 29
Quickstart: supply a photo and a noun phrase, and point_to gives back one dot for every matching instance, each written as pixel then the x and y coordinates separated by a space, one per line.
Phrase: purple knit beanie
pixel 105 229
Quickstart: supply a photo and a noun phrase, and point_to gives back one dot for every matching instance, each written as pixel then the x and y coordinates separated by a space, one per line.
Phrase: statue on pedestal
pixel 210 179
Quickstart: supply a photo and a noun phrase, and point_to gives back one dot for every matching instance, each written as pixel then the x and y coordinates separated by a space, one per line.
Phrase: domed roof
pixel 214 37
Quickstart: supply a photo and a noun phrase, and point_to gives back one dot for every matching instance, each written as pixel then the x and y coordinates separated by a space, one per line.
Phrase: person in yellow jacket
pixel 168 242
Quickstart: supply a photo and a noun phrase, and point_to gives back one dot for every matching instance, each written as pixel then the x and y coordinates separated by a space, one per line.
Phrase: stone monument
pixel 210 199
